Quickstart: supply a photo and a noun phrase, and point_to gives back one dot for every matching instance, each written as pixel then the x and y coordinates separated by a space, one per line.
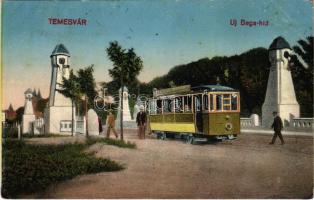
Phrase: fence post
pixel 19 131
pixel 74 125
pixel 84 126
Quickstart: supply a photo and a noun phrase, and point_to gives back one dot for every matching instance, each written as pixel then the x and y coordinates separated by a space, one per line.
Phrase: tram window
pixel 150 103
pixel 198 103
pixel 226 102
pixel 159 106
pixel 178 104
pixel 205 101
pixel 226 107
pixel 234 102
pixel 187 104
pixel 172 105
pixel 152 106
pixel 219 102
pixel 211 102
pixel 167 105
pixel 226 98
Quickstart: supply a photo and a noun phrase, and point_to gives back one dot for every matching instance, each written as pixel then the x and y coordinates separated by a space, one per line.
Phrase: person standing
pixel 100 126
pixel 141 122
pixel 110 124
pixel 277 126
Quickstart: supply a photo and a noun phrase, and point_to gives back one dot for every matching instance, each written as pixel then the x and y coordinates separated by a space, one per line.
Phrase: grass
pixel 32 168
pixel 118 143
pixel 28 135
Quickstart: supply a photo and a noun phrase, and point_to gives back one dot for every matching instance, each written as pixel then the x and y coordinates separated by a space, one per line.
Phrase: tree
pixel 87 85
pixel 159 82
pixel 253 72
pixel 126 67
pixel 302 74
pixel 71 89
pixel 78 85
pixel 247 72
pixel 19 114
pixel 305 50
pixel 41 105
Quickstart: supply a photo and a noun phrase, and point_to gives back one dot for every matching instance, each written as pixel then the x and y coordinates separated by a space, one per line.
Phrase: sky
pixel 164 34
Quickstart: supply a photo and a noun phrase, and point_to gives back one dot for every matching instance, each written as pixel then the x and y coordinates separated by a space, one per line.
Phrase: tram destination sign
pixel 174 90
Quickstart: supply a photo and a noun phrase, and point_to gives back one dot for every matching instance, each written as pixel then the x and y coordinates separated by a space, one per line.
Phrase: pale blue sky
pixel 164 33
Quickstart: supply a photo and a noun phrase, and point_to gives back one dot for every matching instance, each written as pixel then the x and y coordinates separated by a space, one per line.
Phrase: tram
pixel 206 111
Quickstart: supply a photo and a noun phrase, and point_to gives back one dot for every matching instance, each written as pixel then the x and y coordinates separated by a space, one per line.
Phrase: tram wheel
pixel 163 136
pixel 190 139
pixel 158 134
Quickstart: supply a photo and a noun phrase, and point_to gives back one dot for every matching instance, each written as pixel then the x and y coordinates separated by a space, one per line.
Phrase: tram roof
pixel 186 89
pixel 212 88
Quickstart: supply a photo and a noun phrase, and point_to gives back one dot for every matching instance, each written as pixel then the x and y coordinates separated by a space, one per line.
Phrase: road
pixel 247 167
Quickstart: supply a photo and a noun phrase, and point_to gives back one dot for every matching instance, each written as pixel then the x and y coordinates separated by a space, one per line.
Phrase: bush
pixel 10 132
pixel 118 143
pixel 30 168
pixel 28 135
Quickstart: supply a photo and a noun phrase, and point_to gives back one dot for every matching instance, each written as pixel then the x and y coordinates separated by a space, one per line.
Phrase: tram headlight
pixel 228 126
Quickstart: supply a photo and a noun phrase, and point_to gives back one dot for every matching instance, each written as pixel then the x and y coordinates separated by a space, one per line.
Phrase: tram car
pixel 202 112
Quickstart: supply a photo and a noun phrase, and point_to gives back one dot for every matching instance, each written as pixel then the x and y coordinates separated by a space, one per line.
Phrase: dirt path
pixel 245 168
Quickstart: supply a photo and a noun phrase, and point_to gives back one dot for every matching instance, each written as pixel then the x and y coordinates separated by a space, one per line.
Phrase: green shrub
pixel 118 143
pixel 10 132
pixel 30 168
pixel 28 135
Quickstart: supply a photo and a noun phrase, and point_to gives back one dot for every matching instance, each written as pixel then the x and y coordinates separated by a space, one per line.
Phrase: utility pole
pixel 121 107
pixel 86 115
pixel 72 126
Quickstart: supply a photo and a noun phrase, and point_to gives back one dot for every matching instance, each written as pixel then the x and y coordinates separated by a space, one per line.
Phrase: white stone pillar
pixel 255 119
pixel 28 116
pixel 280 95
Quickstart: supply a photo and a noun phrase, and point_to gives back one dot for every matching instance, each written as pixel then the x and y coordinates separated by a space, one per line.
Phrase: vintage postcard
pixel 209 99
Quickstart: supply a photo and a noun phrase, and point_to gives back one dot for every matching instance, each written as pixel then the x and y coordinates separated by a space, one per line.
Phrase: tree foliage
pixel 77 85
pixel 71 88
pixel 302 74
pixel 247 72
pixel 41 105
pixel 126 67
pixel 126 64
pixel 87 83
pixel 19 114
pixel 81 84
pixel 305 50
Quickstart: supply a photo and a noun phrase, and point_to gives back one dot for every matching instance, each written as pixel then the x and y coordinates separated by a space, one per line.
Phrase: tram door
pixel 198 112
